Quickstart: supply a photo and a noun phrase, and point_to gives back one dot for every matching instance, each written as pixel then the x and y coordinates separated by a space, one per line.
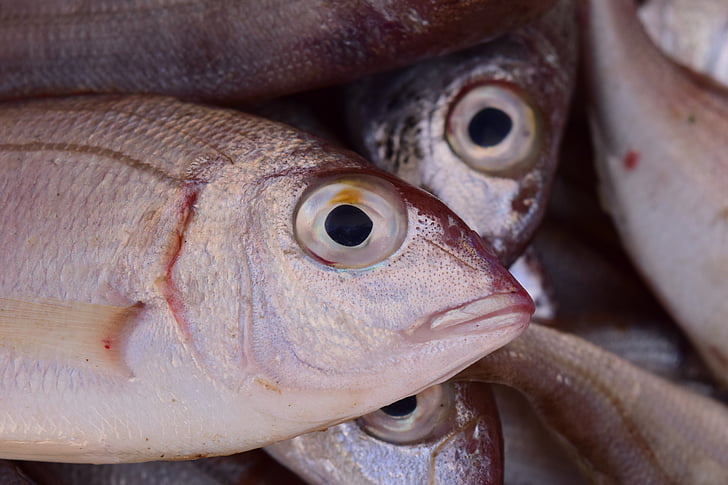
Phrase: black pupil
pixel 348 225
pixel 489 127
pixel 401 408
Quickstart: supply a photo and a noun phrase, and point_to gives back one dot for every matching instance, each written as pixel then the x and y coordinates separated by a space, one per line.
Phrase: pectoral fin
pixel 80 334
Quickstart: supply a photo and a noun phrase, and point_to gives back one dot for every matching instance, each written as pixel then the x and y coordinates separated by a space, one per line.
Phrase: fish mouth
pixel 485 315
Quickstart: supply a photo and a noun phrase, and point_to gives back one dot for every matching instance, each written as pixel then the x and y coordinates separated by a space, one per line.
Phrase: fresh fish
pixel 249 468
pixel 659 132
pixel 625 425
pixel 693 32
pixel 448 433
pixel 181 281
pixel 231 50
pixel 481 128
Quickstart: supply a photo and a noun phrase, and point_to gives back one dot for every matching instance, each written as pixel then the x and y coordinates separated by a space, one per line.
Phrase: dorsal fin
pixel 79 334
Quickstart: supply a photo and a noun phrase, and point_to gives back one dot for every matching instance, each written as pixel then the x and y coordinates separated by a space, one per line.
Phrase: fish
pixel 449 433
pixel 693 33
pixel 231 51
pixel 621 423
pixel 480 128
pixel 250 468
pixel 183 281
pixel 658 132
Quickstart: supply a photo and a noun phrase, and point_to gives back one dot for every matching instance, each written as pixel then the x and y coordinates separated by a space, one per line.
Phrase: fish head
pixel 320 288
pixel 368 288
pixel 448 433
pixel 480 128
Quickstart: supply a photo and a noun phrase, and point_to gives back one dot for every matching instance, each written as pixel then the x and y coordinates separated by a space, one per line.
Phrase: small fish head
pixel 480 129
pixel 368 289
pixel 448 433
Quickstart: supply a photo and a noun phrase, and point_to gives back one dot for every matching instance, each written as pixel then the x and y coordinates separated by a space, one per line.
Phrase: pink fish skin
pixel 659 132
pixel 179 281
pixel 231 50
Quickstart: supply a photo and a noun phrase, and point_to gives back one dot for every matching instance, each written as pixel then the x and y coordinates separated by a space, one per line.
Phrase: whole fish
pixel 480 128
pixel 623 424
pixel 181 281
pixel 693 32
pixel 659 132
pixel 448 433
pixel 231 50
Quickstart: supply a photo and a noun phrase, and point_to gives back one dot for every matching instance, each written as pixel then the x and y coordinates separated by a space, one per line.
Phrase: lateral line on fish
pixel 170 124
pixel 81 334
pixel 91 150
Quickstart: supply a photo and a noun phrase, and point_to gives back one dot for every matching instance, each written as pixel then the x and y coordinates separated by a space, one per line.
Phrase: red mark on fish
pixel 107 343
pixel 631 159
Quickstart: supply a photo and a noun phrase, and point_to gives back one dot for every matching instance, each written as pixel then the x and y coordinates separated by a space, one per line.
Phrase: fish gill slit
pixel 169 289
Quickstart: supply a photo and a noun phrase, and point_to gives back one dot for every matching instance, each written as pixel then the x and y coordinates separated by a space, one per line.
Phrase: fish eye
pixel 493 128
pixel 412 419
pixel 352 221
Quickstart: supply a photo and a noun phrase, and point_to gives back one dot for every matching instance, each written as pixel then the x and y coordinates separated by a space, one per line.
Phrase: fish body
pixel 480 128
pixel 621 423
pixel 231 50
pixel 181 281
pixel 694 33
pixel 449 433
pixel 661 154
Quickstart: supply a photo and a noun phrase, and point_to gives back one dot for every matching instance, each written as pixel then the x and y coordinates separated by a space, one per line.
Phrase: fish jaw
pixel 659 136
pixel 497 311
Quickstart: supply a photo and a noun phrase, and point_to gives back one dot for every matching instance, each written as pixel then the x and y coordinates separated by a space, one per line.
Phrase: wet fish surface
pixel 663 169
pixel 480 128
pixel 249 468
pixel 693 32
pixel 182 281
pixel 448 433
pixel 623 424
pixel 231 50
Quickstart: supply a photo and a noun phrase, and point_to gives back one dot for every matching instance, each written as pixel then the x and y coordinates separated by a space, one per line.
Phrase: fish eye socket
pixel 351 222
pixel 493 128
pixel 413 419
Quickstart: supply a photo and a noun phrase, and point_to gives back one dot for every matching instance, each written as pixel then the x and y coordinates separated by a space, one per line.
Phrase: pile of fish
pixel 337 231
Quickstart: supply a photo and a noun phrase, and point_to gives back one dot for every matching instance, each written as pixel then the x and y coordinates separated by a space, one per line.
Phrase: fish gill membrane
pixel 659 133
pixel 181 281
pixel 231 50
pixel 480 128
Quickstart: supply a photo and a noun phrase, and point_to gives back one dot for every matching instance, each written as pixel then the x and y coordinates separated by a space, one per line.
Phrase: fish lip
pixel 484 315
